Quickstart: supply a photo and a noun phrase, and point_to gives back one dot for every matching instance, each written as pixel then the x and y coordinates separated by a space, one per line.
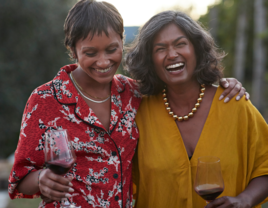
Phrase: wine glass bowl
pixel 209 182
pixel 59 155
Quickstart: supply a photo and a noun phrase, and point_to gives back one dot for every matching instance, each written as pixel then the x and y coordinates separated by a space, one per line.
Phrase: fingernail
pixel 221 97
pixel 70 190
pixel 238 97
pixel 70 184
pixel 68 195
pixel 226 84
pixel 226 100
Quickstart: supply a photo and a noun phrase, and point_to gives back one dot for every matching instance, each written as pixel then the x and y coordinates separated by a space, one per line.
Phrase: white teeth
pixel 175 65
pixel 103 70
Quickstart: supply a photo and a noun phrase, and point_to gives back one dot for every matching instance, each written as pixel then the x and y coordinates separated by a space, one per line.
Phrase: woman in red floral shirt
pixel 96 106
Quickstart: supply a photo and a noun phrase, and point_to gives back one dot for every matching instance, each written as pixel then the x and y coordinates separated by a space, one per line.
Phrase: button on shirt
pixel 102 171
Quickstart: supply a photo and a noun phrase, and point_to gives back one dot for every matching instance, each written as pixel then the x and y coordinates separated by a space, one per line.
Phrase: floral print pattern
pixel 102 171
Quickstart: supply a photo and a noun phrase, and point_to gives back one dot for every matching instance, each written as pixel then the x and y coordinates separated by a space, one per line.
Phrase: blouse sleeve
pixel 29 155
pixel 258 133
pixel 258 145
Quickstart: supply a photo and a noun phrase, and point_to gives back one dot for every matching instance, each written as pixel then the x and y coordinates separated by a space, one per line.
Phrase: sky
pixel 137 12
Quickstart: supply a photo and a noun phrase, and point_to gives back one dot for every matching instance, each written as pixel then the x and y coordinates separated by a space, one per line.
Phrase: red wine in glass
pixel 60 167
pixel 209 192
pixel 59 155
pixel 208 182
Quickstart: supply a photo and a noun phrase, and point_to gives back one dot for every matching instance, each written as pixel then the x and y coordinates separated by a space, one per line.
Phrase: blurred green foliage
pixel 32 51
pixel 226 33
pixel 24 203
pixel 225 37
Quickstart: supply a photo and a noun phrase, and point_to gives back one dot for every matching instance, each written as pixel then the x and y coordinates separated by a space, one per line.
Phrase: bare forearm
pixel 29 184
pixel 256 191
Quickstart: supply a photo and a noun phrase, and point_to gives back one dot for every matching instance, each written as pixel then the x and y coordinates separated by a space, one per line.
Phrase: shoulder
pixel 150 106
pixel 242 108
pixel 127 85
pixel 41 95
pixel 125 80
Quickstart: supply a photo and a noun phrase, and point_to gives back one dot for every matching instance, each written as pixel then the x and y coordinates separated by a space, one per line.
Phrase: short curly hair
pixel 90 17
pixel 138 60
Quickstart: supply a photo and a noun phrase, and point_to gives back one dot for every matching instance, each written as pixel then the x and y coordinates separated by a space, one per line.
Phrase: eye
pixel 159 49
pixel 111 50
pixel 181 43
pixel 90 54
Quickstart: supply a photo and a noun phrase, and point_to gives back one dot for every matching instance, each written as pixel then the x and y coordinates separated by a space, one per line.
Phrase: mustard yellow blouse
pixel 235 132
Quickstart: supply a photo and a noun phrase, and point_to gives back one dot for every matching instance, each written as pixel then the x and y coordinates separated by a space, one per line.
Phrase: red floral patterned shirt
pixel 102 172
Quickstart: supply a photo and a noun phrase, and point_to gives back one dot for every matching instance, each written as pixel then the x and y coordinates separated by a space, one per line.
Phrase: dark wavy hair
pixel 138 60
pixel 90 17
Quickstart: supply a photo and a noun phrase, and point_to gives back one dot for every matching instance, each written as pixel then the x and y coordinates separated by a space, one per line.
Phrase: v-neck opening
pixel 115 105
pixel 190 158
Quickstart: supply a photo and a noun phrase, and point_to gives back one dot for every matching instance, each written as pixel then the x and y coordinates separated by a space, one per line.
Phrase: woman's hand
pixel 54 187
pixel 233 86
pixel 46 199
pixel 229 202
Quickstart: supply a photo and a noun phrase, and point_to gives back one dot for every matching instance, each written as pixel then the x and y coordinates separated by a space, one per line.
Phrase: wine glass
pixel 59 155
pixel 209 182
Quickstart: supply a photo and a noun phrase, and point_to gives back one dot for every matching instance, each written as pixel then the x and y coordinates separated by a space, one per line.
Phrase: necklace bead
pixel 191 114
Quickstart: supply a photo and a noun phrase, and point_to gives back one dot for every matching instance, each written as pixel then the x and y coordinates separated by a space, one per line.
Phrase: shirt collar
pixel 67 94
pixel 65 91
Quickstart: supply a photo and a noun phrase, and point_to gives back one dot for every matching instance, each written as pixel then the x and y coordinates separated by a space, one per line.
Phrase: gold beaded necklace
pixel 186 117
pixel 85 91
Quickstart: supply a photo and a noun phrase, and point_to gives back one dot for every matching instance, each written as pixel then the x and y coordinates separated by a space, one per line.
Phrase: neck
pixel 90 85
pixel 183 94
pixel 182 98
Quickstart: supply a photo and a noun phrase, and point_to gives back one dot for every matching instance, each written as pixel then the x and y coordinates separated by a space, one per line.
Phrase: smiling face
pixel 99 57
pixel 173 56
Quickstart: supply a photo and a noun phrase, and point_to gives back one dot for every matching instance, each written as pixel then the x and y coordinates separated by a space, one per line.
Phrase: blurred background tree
pixel 240 29
pixel 32 51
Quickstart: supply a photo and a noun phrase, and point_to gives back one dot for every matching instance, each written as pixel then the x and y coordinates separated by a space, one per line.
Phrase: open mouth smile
pixel 175 67
pixel 103 70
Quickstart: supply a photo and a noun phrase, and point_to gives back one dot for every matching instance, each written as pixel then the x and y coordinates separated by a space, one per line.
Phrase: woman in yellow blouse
pixel 182 119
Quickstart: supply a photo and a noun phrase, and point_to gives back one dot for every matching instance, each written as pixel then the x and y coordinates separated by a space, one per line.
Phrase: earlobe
pixel 74 56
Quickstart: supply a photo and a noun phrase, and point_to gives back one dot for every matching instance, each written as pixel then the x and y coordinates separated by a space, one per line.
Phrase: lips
pixel 175 67
pixel 103 70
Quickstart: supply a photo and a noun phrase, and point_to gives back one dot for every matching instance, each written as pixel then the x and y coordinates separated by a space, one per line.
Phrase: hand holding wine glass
pixel 59 158
pixel 209 182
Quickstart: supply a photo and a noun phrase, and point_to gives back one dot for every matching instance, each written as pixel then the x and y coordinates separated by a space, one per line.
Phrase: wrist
pixel 246 200
pixel 38 177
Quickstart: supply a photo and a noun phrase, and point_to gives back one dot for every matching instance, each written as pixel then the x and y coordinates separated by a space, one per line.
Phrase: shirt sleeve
pixel 258 145
pixel 258 133
pixel 29 155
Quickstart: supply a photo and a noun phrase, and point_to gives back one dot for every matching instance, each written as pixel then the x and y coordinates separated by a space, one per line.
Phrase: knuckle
pixel 53 185
pixel 237 87
pixel 49 193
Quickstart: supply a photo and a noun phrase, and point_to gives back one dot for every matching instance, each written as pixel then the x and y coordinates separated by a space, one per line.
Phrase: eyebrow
pixel 92 48
pixel 163 44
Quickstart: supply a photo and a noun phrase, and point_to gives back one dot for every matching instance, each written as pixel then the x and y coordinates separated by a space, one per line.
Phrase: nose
pixel 103 61
pixel 172 53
